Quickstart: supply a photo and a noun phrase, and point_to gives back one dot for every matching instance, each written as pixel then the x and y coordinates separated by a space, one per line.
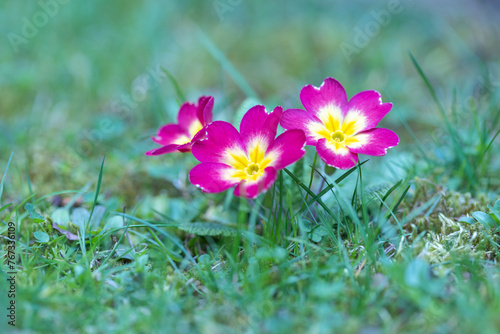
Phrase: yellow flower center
pixel 181 140
pixel 340 131
pixel 252 169
pixel 250 166
pixel 338 136
pixel 194 128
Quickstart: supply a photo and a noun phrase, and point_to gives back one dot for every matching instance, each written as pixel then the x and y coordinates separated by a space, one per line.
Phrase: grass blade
pixel 28 180
pixel 451 131
pixel 5 207
pixel 163 247
pixel 403 195
pixel 98 188
pixel 390 191
pixel 410 131
pixel 5 174
pixel 303 186
pixel 99 181
pixel 148 224
pixel 181 98
pixel 226 64
pixel 484 152
pixel 317 197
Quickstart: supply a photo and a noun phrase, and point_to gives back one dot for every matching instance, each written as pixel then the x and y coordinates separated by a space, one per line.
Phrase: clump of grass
pixel 462 157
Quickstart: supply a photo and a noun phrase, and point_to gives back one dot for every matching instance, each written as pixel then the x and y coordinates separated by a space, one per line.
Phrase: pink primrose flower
pixel 249 159
pixel 341 129
pixel 190 120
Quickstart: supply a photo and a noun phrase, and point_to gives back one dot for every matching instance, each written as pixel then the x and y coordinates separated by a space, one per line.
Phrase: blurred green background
pixel 82 79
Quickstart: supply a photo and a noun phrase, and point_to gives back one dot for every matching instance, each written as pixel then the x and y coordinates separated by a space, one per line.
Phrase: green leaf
pixel 80 217
pixel 317 233
pixel 495 214
pixel 305 225
pixel 496 207
pixel 37 218
pixel 41 237
pixel 113 223
pixel 60 216
pixel 321 230
pixel 205 259
pixel 125 253
pixel 212 229
pixel 97 217
pixel 314 237
pixel 484 219
pixel 467 220
pixel 329 170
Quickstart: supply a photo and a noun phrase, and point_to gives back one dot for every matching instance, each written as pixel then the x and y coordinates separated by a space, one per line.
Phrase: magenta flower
pixel 248 159
pixel 191 119
pixel 341 129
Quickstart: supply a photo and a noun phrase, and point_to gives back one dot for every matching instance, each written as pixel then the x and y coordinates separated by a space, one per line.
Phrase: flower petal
pixel 202 134
pixel 374 142
pixel 188 119
pixel 252 189
pixel 328 102
pixel 341 158
pixel 187 115
pixel 287 148
pixel 184 148
pixel 171 134
pixel 259 126
pixel 221 144
pixel 166 149
pixel 364 111
pixel 204 109
pixel 212 177
pixel 305 121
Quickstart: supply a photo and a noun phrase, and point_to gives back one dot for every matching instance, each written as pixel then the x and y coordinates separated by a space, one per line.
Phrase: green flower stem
pixel 312 173
pixel 309 192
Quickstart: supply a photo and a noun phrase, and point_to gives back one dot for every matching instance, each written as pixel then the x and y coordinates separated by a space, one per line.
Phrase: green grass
pixel 405 243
